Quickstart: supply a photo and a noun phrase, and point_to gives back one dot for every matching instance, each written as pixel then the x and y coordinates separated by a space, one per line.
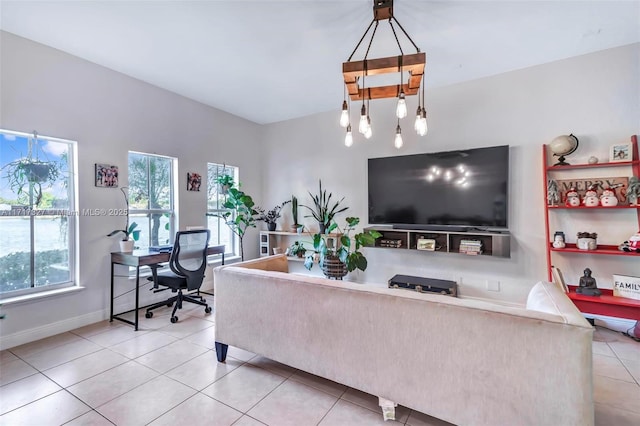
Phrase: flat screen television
pixel 444 190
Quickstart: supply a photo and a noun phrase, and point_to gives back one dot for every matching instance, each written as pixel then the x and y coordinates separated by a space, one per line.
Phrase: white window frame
pixel 71 215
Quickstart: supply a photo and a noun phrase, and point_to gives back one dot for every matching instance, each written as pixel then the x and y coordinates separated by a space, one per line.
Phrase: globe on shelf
pixel 562 146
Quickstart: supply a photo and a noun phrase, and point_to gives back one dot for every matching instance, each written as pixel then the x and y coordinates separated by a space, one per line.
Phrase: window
pixel 220 232
pixel 37 213
pixel 151 198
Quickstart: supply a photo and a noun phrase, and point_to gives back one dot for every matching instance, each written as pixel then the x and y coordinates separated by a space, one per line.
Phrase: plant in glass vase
pixel 130 233
pixel 270 216
pixel 335 261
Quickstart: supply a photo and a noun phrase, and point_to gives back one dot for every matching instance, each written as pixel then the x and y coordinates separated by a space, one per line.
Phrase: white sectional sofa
pixel 468 362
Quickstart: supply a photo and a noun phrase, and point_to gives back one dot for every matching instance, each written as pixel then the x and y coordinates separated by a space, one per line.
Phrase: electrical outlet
pixel 493 285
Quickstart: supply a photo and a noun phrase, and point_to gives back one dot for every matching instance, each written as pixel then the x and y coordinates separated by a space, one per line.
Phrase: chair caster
pixel 170 304
pixel 148 314
pixel 207 310
pixel 174 320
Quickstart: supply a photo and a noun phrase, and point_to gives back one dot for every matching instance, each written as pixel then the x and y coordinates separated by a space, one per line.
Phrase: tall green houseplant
pixel 241 214
pixel 323 210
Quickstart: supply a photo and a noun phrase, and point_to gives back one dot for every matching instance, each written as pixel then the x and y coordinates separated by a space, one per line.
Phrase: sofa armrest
pixel 547 297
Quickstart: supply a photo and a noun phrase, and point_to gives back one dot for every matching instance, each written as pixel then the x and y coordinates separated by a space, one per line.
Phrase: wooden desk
pixel 140 258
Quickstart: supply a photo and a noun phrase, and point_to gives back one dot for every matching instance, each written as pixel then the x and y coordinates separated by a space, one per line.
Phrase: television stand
pixel 459 240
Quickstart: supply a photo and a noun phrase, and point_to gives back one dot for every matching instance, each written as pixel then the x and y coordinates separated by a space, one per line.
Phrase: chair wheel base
pixel 207 310
pixel 148 314
pixel 174 320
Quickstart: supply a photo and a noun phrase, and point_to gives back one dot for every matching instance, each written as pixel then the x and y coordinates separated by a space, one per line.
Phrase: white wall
pixel 596 97
pixel 108 114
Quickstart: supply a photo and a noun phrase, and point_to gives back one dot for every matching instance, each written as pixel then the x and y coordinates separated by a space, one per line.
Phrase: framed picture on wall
pixel 106 175
pixel 194 180
pixel 620 152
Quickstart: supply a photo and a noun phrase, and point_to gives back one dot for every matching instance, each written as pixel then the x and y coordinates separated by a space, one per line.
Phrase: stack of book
pixel 471 247
pixel 390 243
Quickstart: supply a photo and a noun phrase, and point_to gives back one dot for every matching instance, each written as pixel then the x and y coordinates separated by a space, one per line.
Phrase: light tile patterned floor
pixel 167 374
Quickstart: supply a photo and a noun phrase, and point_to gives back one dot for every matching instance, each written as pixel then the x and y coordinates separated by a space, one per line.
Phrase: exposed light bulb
pixel 344 117
pixel 348 139
pixel 423 123
pixel 398 141
pixel 362 127
pixel 416 124
pixel 401 109
pixel 368 133
pixel 448 175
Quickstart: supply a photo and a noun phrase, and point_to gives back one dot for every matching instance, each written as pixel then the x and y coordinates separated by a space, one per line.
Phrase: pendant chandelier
pixel 355 82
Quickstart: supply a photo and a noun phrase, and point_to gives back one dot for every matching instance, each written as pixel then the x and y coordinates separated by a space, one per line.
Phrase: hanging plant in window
pixel 29 174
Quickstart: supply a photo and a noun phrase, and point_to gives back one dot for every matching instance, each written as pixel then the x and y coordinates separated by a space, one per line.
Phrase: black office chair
pixel 188 261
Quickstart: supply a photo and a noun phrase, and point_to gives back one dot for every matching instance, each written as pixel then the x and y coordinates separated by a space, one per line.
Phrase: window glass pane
pixel 15 271
pixel 160 183
pixel 36 199
pixel 220 232
pixel 138 181
pixel 51 253
pixel 151 198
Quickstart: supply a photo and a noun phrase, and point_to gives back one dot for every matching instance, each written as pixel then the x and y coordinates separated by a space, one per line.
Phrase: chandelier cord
pixel 405 33
pixel 364 60
pixel 396 36
pixel 362 38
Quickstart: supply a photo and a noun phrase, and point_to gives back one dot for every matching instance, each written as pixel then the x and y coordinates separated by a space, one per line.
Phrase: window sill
pixel 40 295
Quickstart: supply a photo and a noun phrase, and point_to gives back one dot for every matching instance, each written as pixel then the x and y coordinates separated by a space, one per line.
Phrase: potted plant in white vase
pixel 130 233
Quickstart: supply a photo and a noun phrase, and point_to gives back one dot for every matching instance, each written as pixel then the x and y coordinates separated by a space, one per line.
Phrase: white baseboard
pixel 37 333
pixel 617 324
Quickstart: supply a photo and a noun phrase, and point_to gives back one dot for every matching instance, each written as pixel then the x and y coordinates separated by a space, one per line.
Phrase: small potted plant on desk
pixel 131 234
pixel 270 216
pixel 337 262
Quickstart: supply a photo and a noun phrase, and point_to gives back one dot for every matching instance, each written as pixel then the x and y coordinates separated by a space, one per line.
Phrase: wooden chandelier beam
pixel 413 63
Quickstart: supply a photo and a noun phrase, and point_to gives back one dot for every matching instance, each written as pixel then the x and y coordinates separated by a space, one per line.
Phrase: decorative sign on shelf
pixel 619 185
pixel 625 286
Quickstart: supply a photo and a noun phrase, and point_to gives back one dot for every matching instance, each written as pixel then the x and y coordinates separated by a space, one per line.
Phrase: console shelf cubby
pixel 497 244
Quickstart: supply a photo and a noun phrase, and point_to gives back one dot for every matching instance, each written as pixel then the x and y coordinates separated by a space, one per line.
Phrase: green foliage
pixel 15 269
pixel 225 180
pixel 270 216
pixel 323 211
pixel 294 210
pixel 297 249
pixel 27 176
pixel 241 214
pixel 347 253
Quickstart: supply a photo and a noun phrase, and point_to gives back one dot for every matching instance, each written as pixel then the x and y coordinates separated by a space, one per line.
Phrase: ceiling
pixel 269 60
